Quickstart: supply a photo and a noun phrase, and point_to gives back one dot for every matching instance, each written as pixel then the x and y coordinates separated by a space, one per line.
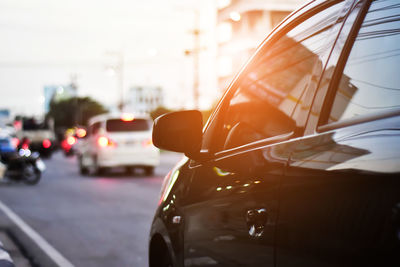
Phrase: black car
pixel 299 163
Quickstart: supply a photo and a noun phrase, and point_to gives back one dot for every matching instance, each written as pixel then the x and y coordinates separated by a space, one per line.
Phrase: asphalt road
pixel 91 221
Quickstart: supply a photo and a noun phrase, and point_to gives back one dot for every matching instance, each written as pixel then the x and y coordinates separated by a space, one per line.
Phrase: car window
pixel 94 129
pixel 370 82
pixel 30 124
pixel 118 125
pixel 262 105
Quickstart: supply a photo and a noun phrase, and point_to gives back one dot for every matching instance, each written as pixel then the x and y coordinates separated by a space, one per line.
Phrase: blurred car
pixel 299 164
pixel 71 140
pixel 118 140
pixel 8 144
pixel 39 135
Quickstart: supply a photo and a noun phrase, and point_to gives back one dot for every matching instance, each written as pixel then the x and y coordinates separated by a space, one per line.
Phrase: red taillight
pixel 25 143
pixel 46 143
pixel 15 142
pixel 71 140
pixel 18 125
pixel 25 146
pixel 65 145
pixel 103 141
pixel 80 132
pixel 147 142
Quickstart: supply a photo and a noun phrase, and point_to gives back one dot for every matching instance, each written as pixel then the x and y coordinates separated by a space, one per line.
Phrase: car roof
pixel 108 116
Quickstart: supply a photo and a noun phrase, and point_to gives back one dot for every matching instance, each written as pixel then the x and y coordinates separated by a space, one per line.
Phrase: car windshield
pixel 118 125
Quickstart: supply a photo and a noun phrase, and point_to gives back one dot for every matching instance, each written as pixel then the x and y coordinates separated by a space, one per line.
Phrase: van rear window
pixel 118 125
pixel 30 124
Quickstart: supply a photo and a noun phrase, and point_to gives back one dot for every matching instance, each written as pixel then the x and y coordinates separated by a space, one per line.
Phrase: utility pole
pixel 74 87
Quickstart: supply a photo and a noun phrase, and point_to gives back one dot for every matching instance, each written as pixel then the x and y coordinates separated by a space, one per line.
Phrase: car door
pixel 231 208
pixel 340 198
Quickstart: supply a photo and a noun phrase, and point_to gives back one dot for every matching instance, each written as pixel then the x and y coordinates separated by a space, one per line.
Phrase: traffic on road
pixel 98 220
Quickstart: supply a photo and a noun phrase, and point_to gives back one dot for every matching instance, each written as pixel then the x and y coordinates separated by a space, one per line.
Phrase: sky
pixel 46 42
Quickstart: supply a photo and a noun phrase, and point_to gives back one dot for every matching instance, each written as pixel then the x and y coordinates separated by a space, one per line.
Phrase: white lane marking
pixel 4 254
pixel 56 256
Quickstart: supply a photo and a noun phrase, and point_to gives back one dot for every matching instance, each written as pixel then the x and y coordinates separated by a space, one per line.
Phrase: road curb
pixel 5 258
pixel 32 245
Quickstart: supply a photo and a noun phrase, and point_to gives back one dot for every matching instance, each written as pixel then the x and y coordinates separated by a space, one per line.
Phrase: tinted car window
pixel 31 124
pixel 95 127
pixel 262 105
pixel 117 125
pixel 370 82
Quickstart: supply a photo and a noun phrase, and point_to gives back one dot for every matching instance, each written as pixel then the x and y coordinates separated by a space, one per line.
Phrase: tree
pixel 74 111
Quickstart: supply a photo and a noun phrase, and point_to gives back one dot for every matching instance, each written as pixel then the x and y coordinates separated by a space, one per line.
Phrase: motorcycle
pixel 22 165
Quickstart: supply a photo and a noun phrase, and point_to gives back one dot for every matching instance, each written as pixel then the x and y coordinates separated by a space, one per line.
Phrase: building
pixel 241 26
pixel 144 99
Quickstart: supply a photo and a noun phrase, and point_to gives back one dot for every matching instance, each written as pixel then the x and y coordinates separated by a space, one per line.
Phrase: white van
pixel 118 140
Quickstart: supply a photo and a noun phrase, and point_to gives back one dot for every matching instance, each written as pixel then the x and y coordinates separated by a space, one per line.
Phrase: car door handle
pixel 256 219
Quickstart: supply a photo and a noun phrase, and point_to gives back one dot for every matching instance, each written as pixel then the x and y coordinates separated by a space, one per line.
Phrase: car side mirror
pixel 179 131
